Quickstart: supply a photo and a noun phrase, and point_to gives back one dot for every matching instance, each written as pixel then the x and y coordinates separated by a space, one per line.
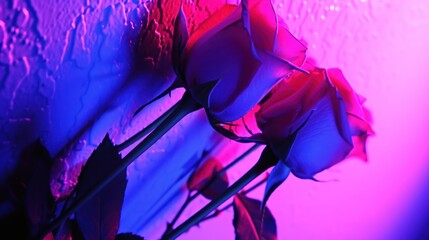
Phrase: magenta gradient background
pixel 69 74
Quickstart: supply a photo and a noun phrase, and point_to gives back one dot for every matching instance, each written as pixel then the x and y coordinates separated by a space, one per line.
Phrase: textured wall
pixel 72 71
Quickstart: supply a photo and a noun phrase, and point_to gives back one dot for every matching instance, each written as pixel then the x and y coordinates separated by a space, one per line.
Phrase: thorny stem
pixel 241 157
pixel 190 197
pixel 186 106
pixel 176 84
pixel 260 167
pixel 218 211
pixel 147 129
pixel 65 206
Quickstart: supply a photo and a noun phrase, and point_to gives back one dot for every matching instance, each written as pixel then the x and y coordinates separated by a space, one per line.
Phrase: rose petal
pixel 277 134
pixel 359 147
pixel 249 91
pixel 263 22
pixel 353 102
pixel 289 100
pixel 226 57
pixel 221 19
pixel 245 127
pixel 320 143
pixel 359 126
pixel 289 48
pixel 341 116
pixel 269 35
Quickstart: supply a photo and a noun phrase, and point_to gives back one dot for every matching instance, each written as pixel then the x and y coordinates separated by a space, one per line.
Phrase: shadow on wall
pixel 60 77
pixel 76 70
pixel 19 193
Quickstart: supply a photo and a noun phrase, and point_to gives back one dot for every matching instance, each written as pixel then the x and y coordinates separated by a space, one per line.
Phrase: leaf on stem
pixel 280 171
pixel 69 230
pixel 99 217
pixel 25 196
pixel 207 180
pixel 252 223
pixel 39 203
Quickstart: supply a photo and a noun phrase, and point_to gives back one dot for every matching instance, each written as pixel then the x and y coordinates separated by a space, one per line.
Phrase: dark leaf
pixel 277 176
pixel 26 202
pixel 14 224
pixel 128 236
pixel 39 203
pixel 99 217
pixel 207 179
pixel 69 230
pixel 65 231
pixel 75 231
pixel 280 171
pixel 252 223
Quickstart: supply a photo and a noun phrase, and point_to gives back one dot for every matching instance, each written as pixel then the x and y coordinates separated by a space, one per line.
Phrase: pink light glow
pixel 382 48
pixel 72 80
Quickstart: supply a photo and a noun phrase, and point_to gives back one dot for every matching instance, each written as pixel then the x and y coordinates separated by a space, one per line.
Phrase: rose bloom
pixel 322 113
pixel 235 57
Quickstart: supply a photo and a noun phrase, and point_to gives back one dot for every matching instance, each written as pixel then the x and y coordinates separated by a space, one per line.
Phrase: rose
pixel 235 57
pixel 357 114
pixel 321 113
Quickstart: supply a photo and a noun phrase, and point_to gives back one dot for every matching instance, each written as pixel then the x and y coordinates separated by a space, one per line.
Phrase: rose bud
pixel 235 57
pixel 321 112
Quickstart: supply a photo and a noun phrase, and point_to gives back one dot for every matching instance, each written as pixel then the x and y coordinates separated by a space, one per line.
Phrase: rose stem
pixel 260 167
pixel 218 211
pixel 190 197
pixel 186 106
pixel 148 128
pixel 140 134
pixel 176 84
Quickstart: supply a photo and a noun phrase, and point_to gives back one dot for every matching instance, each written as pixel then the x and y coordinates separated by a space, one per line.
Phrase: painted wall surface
pixel 72 71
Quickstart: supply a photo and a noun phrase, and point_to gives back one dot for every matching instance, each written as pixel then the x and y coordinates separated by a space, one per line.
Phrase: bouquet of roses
pixel 255 83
